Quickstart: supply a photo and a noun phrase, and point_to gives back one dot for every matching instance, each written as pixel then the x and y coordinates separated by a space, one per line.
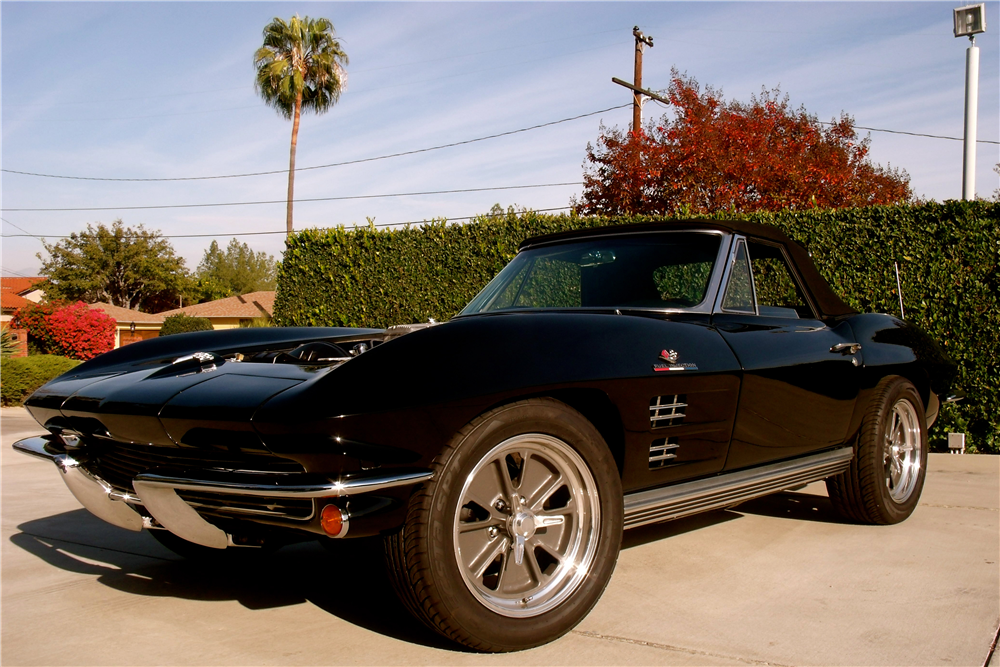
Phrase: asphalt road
pixel 775 581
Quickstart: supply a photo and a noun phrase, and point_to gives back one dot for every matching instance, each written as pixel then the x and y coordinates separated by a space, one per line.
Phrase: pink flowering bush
pixel 72 330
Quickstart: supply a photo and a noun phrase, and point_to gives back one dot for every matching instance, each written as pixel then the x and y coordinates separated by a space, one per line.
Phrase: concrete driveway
pixel 775 581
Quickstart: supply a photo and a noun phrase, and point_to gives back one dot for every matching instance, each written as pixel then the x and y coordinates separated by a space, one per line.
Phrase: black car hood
pixel 180 390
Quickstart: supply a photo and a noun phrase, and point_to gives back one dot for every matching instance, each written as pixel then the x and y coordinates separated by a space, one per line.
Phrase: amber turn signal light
pixel 332 520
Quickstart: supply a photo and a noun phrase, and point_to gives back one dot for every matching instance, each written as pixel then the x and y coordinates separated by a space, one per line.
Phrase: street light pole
pixel 970 21
pixel 971 118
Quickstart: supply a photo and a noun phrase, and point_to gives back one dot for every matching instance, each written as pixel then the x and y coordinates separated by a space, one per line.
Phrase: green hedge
pixel 184 323
pixel 948 255
pixel 21 376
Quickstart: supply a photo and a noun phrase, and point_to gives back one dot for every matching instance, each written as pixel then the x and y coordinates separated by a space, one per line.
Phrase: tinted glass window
pixel 778 293
pixel 739 291
pixel 669 270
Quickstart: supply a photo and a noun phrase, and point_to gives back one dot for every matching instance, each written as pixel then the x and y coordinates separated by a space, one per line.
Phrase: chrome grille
pixel 667 410
pixel 228 505
pixel 118 463
pixel 662 452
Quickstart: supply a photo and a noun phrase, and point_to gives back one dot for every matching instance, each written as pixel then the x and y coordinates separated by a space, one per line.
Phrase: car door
pixel 801 374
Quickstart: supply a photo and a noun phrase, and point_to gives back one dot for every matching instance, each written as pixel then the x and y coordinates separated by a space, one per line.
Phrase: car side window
pixel 778 293
pixel 739 291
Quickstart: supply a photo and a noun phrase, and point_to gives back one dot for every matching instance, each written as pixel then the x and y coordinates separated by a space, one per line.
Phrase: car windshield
pixel 669 270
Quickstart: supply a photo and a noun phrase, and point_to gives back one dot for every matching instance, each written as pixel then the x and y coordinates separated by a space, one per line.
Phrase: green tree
pixel 131 267
pixel 238 270
pixel 300 66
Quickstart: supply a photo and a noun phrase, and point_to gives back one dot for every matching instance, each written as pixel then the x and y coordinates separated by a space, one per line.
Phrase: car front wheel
pixel 515 538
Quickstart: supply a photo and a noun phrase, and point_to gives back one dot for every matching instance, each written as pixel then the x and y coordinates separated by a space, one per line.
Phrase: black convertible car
pixel 605 379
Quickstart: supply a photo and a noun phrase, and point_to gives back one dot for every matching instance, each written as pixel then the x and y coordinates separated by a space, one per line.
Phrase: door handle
pixel 846 348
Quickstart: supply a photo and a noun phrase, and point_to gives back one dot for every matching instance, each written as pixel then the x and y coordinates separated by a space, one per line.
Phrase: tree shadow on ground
pixel 348 581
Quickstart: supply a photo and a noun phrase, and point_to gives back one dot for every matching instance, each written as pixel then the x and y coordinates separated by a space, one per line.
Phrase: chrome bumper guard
pixel 157 492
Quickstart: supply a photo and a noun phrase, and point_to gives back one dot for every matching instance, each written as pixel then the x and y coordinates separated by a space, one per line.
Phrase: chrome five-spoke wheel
pixel 901 453
pixel 526 531
pixel 513 540
pixel 883 483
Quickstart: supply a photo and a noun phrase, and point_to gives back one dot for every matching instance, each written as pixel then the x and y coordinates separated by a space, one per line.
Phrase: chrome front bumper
pixel 157 493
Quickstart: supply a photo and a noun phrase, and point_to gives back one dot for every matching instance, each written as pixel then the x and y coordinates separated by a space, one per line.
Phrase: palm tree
pixel 300 66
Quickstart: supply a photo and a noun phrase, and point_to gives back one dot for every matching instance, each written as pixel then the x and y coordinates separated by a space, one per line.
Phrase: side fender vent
pixel 667 410
pixel 662 452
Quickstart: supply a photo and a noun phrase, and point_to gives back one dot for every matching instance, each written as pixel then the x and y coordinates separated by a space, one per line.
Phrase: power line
pixel 311 199
pixel 913 134
pixel 16 273
pixel 320 166
pixel 22 229
pixel 285 231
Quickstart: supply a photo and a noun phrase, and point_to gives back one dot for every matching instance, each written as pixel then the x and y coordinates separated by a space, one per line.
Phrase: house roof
pixel 254 304
pixel 11 290
pixel 127 315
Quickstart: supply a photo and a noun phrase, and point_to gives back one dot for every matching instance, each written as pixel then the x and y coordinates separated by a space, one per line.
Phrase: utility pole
pixel 640 41
pixel 638 92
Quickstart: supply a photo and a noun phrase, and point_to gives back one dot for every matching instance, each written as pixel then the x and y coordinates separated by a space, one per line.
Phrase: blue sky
pixel 165 90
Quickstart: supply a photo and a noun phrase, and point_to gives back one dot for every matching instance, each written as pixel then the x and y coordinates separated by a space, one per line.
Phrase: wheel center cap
pixel 522 524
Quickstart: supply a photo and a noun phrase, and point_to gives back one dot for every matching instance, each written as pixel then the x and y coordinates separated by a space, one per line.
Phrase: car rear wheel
pixel 516 536
pixel 885 479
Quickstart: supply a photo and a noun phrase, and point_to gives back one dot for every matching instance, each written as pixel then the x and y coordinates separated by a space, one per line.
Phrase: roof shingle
pixel 126 314
pixel 12 288
pixel 254 304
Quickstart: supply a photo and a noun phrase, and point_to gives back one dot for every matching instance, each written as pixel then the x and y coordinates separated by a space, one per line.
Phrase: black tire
pixel 208 555
pixel 454 564
pixel 883 484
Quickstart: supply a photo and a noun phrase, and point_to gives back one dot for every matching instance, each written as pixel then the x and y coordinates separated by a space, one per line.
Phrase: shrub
pixel 70 330
pixel 182 323
pixel 35 318
pixel 257 323
pixel 8 345
pixel 81 332
pixel 948 255
pixel 20 377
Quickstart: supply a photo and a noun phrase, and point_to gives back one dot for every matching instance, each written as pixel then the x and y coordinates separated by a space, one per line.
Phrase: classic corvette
pixel 605 379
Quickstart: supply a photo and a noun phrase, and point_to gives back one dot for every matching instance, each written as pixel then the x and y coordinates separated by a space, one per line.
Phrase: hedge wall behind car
pixel 948 256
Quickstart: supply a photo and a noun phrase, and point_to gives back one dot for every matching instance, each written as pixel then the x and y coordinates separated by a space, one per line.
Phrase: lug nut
pixel 493 532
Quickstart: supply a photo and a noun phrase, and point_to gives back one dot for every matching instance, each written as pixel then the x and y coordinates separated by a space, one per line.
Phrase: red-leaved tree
pixel 69 330
pixel 713 155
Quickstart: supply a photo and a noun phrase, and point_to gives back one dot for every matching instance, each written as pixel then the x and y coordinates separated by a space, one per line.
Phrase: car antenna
pixel 899 291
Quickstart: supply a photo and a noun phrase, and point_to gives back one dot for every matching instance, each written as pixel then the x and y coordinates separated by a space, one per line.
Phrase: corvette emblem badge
pixel 669 362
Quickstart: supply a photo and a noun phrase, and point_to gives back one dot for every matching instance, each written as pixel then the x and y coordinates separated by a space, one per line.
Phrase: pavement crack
pixel 670 647
pixel 993 648
pixel 961 507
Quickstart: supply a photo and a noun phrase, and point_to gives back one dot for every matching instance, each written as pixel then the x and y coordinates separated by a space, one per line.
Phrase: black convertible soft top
pixel 826 300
